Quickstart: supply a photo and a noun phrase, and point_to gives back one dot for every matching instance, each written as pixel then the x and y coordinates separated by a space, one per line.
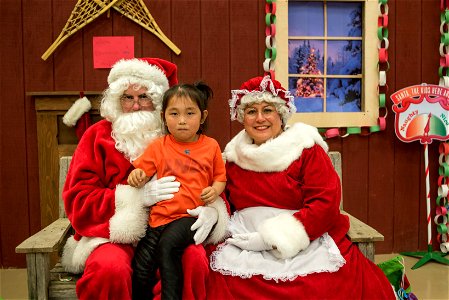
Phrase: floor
pixel 430 281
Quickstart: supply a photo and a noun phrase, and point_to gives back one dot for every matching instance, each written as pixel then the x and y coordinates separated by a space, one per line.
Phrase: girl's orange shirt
pixel 195 165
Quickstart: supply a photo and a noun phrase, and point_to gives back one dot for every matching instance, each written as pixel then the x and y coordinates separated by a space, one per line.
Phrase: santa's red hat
pixel 261 89
pixel 145 71
pixel 78 115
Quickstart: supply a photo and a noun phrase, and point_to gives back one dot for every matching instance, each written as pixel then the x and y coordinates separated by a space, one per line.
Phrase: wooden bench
pixel 44 283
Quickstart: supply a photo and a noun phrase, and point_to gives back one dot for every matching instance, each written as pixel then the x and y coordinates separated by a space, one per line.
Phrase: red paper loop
pixel 270 8
pixel 330 133
pixel 383 55
pixel 441 180
pixel 270 30
pixel 444 148
pixel 440 210
pixel 441 238
pixel 444 61
pixel 382 21
pixel 444 4
pixel 382 123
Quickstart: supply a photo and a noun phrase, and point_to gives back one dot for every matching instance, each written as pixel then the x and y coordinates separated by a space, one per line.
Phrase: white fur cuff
pixel 286 234
pixel 130 220
pixel 220 230
pixel 76 253
pixel 78 108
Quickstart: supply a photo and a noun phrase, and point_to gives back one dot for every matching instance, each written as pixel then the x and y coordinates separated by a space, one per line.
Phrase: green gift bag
pixel 394 269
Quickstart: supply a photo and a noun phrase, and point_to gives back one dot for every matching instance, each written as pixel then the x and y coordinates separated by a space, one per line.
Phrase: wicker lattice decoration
pixel 85 11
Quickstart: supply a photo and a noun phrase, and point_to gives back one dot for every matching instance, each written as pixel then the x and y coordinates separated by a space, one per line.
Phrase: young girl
pixel 196 162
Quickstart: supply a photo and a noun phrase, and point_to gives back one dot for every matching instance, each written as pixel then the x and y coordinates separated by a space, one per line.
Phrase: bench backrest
pixel 64 163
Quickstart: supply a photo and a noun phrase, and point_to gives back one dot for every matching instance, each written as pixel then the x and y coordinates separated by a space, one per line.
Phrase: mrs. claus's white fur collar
pixel 275 154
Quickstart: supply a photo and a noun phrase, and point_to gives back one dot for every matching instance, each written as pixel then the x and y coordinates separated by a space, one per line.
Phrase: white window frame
pixel 370 96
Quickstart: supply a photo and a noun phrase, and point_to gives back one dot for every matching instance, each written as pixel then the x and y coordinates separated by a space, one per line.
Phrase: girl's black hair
pixel 199 92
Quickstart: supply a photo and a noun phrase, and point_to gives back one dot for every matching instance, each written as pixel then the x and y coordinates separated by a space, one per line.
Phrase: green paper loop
pixel 441 228
pixel 443 170
pixel 354 130
pixel 271 51
pixel 375 128
pixel 382 32
pixel 270 19
pixel 445 39
pixel 381 100
pixel 438 201
pixel 383 1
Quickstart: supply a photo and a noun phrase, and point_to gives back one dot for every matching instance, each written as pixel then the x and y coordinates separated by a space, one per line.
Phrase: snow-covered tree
pixel 310 86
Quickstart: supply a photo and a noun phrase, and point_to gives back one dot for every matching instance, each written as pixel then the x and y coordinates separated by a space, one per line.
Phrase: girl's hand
pixel 208 195
pixel 137 178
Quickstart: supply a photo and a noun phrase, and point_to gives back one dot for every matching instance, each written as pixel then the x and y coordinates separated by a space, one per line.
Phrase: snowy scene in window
pixel 325 66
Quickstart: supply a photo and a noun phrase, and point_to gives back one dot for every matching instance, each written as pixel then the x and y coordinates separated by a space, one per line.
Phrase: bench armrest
pixel 360 232
pixel 48 239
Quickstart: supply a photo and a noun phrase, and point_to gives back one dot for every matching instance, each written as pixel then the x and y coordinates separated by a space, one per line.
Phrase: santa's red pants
pixel 107 274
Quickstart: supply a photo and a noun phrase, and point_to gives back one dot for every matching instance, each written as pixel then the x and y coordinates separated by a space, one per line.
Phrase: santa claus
pixel 109 216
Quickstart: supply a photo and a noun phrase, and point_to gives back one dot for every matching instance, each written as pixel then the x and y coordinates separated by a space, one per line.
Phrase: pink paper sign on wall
pixel 109 49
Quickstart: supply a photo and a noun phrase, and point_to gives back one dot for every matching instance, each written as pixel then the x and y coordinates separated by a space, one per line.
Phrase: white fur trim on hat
pixel 220 229
pixel 78 108
pixel 286 234
pixel 138 71
pixel 275 154
pixel 130 220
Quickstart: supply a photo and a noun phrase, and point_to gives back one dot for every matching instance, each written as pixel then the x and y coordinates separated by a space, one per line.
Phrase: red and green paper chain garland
pixel 270 38
pixel 444 45
pixel 442 206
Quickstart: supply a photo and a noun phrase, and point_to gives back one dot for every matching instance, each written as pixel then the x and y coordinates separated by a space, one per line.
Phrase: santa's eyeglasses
pixel 129 100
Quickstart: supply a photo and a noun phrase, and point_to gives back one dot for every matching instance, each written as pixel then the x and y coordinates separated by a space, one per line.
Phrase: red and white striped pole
pixel 426 166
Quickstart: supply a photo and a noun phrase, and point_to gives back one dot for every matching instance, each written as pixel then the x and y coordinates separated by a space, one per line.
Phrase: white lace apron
pixel 322 255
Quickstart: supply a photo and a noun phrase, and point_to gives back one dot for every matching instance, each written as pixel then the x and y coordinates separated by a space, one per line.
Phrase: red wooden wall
pixel 222 42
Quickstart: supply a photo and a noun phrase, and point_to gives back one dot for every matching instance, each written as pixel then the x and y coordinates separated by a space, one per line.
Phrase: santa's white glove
pixel 252 241
pixel 207 217
pixel 160 189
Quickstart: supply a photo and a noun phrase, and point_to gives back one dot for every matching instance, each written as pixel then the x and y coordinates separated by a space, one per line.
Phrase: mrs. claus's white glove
pixel 252 241
pixel 207 217
pixel 160 189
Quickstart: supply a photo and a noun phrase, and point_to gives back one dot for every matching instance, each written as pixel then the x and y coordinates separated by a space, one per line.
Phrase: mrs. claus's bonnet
pixel 261 89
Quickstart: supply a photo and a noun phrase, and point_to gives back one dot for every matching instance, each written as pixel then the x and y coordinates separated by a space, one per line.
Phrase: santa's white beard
pixel 133 132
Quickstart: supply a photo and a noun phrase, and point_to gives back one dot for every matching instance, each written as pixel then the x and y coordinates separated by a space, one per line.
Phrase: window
pixel 328 60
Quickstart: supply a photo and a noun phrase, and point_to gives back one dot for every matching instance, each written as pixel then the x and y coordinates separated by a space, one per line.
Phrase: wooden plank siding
pixel 222 43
